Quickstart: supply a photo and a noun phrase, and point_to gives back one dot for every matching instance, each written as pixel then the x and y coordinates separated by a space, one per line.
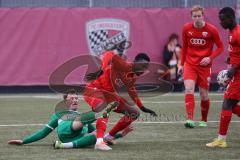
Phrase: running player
pixel 104 90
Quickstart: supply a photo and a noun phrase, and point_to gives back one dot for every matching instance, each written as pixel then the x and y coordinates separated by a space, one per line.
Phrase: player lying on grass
pixel 71 125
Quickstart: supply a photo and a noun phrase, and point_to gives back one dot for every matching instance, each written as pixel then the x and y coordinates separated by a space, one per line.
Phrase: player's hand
pixel 15 142
pixel 94 75
pixel 127 130
pixel 231 72
pixel 180 70
pixel 151 112
pixel 205 61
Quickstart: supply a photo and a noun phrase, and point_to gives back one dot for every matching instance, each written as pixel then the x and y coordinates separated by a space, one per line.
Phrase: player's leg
pixel 131 113
pixel 80 142
pixel 225 118
pixel 203 83
pixel 97 100
pixel 205 104
pixel 81 120
pixel 190 76
pixel 90 117
pixel 88 140
pixel 231 99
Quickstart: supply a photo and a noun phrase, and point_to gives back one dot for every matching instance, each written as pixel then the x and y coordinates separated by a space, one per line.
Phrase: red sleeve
pixel 237 65
pixel 219 44
pixel 185 46
pixel 133 94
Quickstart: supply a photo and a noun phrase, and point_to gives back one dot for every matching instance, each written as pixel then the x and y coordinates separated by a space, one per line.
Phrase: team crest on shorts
pixel 102 32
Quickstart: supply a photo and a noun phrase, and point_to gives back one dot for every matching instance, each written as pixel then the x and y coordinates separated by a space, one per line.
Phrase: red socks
pixel 225 119
pixel 190 104
pixel 121 124
pixel 101 126
pixel 204 109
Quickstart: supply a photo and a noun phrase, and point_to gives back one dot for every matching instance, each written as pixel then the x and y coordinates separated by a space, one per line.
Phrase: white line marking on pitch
pixel 146 122
pixel 60 97
pixel 159 102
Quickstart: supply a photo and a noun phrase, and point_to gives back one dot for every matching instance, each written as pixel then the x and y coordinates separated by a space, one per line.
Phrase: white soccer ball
pixel 222 78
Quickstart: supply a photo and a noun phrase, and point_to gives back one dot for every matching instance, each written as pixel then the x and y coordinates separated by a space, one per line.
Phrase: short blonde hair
pixel 197 8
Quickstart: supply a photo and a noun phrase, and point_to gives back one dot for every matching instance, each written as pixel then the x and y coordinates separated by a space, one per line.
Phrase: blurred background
pixel 38 36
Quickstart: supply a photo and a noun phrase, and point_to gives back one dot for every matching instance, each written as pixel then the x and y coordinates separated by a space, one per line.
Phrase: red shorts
pixel 201 75
pixel 98 99
pixel 233 89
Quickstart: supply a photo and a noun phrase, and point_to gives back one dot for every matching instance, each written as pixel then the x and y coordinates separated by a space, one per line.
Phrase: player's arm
pixel 183 50
pixel 236 66
pixel 40 134
pixel 219 44
pixel 133 94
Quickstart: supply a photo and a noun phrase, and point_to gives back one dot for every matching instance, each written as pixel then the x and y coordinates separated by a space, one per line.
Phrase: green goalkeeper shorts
pixel 67 134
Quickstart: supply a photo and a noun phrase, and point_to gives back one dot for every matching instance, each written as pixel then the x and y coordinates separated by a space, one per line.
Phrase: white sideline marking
pixel 60 97
pixel 163 102
pixel 147 122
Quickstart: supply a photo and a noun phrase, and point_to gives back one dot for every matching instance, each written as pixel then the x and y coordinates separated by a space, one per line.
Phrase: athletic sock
pixel 121 124
pixel 190 104
pixel 204 109
pixel 101 126
pixel 225 119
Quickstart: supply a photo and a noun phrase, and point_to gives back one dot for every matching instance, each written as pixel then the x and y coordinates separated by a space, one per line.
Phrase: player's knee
pixel 77 125
pixel 189 90
pixel 204 96
pixel 135 114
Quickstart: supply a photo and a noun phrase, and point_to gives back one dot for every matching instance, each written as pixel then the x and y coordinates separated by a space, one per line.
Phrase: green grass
pixel 168 141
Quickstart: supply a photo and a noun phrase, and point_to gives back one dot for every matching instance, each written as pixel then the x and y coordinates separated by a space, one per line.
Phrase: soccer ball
pixel 222 78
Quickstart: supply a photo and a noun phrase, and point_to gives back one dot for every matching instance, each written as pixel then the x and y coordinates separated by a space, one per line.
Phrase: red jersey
pixel 234 46
pixel 107 58
pixel 198 43
pixel 118 76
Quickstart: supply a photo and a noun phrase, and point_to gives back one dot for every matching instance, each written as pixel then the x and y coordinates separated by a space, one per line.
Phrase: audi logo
pixel 198 41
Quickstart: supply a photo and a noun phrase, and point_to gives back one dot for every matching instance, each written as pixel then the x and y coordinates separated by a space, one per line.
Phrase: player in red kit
pixel 197 56
pixel 118 74
pixel 232 94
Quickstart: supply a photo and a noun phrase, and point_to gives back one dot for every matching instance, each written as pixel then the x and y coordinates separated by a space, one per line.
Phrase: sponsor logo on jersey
pixel 204 34
pixel 190 33
pixel 197 41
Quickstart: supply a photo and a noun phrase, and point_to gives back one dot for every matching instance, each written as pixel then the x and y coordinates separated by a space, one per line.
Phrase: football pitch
pixel 158 138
